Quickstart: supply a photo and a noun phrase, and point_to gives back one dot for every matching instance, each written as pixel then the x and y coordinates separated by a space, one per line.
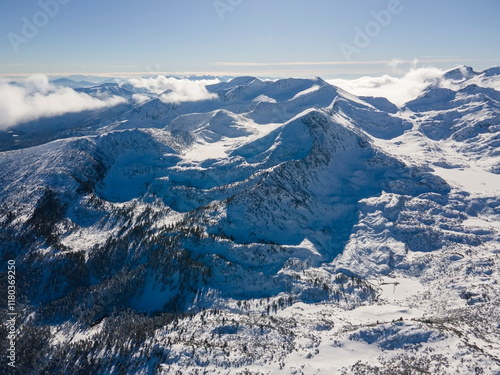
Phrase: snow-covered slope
pixel 272 227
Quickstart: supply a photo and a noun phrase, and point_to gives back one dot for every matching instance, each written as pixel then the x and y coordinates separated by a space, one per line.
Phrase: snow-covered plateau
pixel 264 227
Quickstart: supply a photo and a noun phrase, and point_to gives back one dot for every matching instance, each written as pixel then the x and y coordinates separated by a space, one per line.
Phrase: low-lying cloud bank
pixel 412 84
pixel 35 97
pixel 398 90
pixel 175 90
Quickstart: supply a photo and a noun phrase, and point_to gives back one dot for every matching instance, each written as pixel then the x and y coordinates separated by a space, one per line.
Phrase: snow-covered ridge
pixel 270 227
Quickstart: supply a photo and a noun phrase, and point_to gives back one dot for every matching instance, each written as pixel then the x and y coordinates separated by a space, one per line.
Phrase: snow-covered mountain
pixel 265 227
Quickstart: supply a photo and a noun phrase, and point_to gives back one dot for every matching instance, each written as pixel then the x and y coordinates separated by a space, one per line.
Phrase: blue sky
pixel 325 38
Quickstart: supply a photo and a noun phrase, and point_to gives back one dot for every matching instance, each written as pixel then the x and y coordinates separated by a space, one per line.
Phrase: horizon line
pixel 268 73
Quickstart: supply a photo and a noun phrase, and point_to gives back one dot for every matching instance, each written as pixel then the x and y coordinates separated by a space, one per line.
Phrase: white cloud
pixel 35 97
pixel 140 98
pixel 394 63
pixel 398 90
pixel 176 90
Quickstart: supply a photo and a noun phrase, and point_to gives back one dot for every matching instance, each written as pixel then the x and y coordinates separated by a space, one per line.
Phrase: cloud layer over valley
pixel 35 97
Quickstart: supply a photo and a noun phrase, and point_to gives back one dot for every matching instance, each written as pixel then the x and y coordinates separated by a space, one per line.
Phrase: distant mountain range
pixel 71 83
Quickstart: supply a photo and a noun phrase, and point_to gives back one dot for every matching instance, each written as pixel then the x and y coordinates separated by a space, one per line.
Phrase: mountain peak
pixel 460 74
pixel 491 72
